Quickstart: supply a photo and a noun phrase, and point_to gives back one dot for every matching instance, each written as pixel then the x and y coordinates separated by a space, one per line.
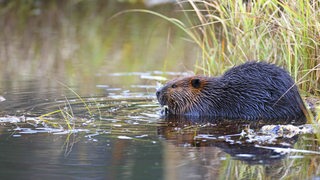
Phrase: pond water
pixel 125 137
pixel 78 102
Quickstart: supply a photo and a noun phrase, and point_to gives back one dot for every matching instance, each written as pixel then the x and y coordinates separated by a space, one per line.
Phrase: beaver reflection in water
pixel 251 91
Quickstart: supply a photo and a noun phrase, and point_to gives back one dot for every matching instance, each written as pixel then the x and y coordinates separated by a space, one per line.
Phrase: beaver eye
pixel 196 83
pixel 173 85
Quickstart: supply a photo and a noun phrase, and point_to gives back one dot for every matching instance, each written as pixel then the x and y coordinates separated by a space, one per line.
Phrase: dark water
pixel 80 103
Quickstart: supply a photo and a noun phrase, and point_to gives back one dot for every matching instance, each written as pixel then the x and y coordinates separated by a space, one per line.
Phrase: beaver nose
pixel 158 94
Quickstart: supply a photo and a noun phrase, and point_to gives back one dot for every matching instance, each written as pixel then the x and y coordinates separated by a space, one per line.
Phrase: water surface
pixel 120 134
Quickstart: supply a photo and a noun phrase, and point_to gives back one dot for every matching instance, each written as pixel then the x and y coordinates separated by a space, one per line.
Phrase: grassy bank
pixel 285 33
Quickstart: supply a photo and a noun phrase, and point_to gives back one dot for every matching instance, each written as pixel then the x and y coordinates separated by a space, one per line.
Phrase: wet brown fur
pixel 249 91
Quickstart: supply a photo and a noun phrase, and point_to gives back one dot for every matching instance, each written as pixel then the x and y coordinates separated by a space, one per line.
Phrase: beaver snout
pixel 161 96
pixel 162 99
pixel 158 94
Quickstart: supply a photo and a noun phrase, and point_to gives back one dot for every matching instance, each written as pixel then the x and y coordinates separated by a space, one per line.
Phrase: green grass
pixel 232 32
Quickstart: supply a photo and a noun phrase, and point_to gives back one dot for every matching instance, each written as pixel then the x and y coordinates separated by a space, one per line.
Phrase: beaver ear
pixel 196 83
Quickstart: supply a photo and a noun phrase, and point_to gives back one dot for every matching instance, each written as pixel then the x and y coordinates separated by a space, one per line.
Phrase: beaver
pixel 253 90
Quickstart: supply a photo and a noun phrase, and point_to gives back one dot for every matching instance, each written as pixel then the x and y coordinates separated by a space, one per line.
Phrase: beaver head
pixel 188 95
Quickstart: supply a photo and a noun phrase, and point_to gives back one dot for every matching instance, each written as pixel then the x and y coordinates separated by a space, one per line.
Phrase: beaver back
pixel 254 90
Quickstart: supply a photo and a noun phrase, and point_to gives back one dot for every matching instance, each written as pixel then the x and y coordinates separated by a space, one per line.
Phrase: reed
pixel 281 32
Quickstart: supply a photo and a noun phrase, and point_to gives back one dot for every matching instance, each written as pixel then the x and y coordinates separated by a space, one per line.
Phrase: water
pixel 78 102
pixel 120 134
pixel 125 137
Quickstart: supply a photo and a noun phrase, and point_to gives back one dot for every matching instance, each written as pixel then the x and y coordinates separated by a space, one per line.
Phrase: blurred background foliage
pixel 77 40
